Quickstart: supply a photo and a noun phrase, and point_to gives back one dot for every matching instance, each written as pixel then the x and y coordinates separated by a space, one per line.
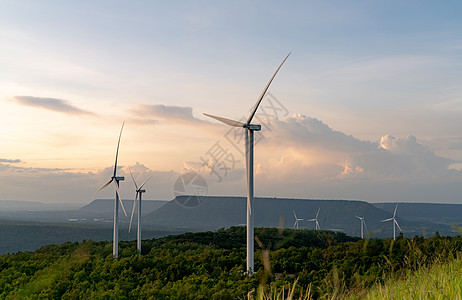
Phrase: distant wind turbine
pixel 115 179
pixel 249 131
pixel 316 220
pixel 139 191
pixel 394 222
pixel 363 225
pixel 296 221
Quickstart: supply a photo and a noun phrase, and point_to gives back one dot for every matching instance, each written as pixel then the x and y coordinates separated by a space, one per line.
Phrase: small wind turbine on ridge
pixel 115 179
pixel 394 222
pixel 316 220
pixel 363 225
pixel 249 132
pixel 139 191
pixel 296 221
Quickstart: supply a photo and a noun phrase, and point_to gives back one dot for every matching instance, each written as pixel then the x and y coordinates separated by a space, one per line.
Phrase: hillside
pixel 210 265
pixel 29 236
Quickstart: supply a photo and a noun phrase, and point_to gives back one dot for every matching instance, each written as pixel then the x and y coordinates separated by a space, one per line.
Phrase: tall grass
pixel 439 281
pixel 285 293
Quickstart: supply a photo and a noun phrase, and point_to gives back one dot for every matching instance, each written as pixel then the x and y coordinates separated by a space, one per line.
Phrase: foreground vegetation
pixel 439 281
pixel 211 265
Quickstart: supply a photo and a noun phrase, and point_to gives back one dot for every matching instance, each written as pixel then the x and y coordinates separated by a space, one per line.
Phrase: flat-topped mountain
pixel 213 212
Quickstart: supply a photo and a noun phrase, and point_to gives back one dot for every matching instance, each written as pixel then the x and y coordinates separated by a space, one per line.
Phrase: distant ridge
pixel 438 212
pixel 220 211
pixel 18 205
pixel 107 205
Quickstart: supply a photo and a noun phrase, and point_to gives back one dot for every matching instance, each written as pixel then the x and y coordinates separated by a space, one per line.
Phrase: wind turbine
pixel 249 131
pixel 363 225
pixel 115 179
pixel 394 222
pixel 296 220
pixel 316 220
pixel 139 192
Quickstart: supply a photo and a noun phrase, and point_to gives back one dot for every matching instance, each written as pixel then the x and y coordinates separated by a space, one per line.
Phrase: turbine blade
pixel 317 213
pixel 311 220
pixel 396 207
pixel 295 215
pixel 295 224
pixel 227 121
pixel 365 227
pixel 117 152
pixel 105 185
pixel 134 182
pixel 264 92
pixel 386 220
pixel 120 198
pixel 133 211
pixel 396 222
pixel 144 183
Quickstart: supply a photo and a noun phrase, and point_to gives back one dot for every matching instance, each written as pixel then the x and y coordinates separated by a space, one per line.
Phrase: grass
pixel 440 281
pixel 284 293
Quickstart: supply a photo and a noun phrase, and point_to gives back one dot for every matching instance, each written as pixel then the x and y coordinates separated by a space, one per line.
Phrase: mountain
pixel 100 211
pixel 214 212
pixel 107 205
pixel 16 205
pixel 430 212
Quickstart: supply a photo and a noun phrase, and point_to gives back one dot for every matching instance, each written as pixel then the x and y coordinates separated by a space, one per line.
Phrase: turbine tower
pixel 394 222
pixel 249 132
pixel 316 220
pixel 139 191
pixel 115 179
pixel 363 225
pixel 296 221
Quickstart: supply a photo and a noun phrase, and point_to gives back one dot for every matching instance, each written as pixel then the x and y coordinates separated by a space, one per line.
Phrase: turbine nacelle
pixel 119 178
pixel 254 127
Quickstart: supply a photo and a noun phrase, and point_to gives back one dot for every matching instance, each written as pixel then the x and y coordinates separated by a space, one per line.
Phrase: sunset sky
pixel 368 106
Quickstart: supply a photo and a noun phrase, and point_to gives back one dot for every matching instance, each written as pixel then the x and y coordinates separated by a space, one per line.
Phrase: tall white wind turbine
pixel 249 131
pixel 139 191
pixel 363 225
pixel 115 179
pixel 394 222
pixel 296 221
pixel 316 220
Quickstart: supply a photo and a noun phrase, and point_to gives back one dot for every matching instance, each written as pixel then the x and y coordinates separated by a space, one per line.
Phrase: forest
pixel 210 265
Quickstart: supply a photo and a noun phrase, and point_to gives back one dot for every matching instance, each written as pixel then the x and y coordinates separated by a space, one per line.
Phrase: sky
pixel 368 106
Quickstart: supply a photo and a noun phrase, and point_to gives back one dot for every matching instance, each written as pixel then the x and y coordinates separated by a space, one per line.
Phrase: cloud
pixel 303 157
pixel 71 186
pixel 10 161
pixel 313 142
pixel 57 105
pixel 154 113
pixel 307 132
